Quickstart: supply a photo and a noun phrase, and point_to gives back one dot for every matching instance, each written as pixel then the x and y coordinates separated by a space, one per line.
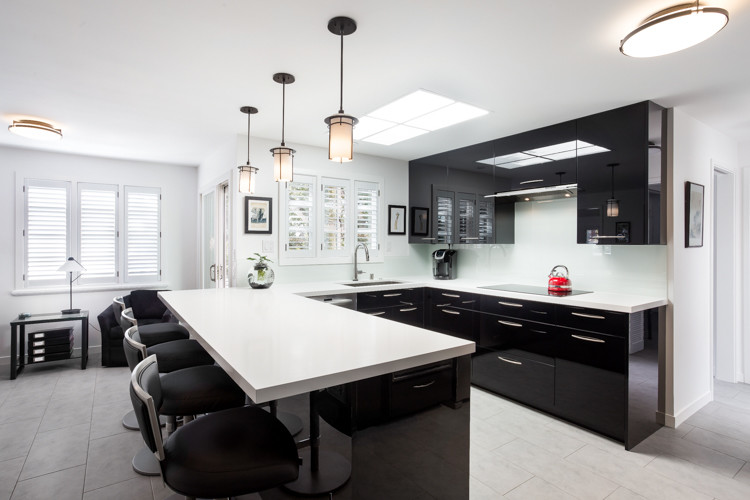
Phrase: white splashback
pixel 545 236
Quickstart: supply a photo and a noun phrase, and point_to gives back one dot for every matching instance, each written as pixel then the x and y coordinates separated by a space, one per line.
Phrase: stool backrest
pixel 146 304
pixel 119 304
pixel 135 351
pixel 145 394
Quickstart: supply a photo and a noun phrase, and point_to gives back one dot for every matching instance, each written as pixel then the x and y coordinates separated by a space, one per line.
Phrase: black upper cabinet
pixel 619 187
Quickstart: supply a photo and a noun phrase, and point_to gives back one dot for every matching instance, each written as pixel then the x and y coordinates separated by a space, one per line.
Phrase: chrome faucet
pixel 367 258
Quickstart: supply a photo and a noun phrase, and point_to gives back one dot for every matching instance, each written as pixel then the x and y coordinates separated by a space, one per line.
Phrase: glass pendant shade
pixel 283 164
pixel 32 129
pixel 341 137
pixel 613 208
pixel 674 29
pixel 247 178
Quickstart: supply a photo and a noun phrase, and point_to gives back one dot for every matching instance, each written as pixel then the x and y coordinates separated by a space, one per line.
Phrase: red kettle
pixel 559 283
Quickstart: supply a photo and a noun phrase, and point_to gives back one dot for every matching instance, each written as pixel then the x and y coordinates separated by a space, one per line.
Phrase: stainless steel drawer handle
pixel 392 294
pixel 451 312
pixel 377 313
pixel 407 310
pixel 588 339
pixel 538 331
pixel 451 295
pixel 428 384
pixel 603 237
pixel 539 312
pixel 443 305
pixel 590 316
pixel 509 323
pixel 532 181
pixel 468 301
pixel 509 361
pixel 465 238
pixel 509 304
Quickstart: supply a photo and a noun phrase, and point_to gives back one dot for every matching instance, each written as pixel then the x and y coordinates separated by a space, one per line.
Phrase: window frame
pixel 89 186
pixel 126 277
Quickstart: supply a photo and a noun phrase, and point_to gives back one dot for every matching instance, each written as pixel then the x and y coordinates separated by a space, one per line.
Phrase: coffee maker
pixel 444 264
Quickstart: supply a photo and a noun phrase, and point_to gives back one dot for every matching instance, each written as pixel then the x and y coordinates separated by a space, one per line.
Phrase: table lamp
pixel 71 265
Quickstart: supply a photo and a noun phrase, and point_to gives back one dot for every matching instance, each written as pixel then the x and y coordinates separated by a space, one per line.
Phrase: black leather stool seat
pixel 158 333
pixel 179 354
pixel 200 389
pixel 242 449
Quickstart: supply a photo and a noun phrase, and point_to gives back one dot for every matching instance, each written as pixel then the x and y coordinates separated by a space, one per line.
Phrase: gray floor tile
pixel 700 479
pixel 707 458
pixel 57 450
pixel 532 428
pixel 486 435
pixel 9 471
pixel 734 429
pixel 13 411
pixel 538 489
pixel 743 475
pixel 67 412
pixel 138 488
pixel 110 458
pixel 106 420
pixel 624 494
pixel 63 485
pixel 480 491
pixel 495 472
pixel 16 438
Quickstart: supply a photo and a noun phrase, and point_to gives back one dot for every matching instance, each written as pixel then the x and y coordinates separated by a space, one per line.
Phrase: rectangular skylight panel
pixel 592 150
pixel 534 160
pixel 564 155
pixel 368 126
pixel 554 148
pixel 505 159
pixel 395 134
pixel 411 106
pixel 449 115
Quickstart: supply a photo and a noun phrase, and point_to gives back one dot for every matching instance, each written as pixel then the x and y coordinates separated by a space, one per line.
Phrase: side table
pixel 18 337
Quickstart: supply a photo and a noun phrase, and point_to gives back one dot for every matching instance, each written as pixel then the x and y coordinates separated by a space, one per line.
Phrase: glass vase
pixel 261 276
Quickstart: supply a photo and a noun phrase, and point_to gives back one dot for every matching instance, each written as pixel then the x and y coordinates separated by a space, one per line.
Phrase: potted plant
pixel 262 275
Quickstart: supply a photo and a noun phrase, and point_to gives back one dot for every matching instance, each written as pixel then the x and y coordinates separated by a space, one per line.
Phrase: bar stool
pixel 224 454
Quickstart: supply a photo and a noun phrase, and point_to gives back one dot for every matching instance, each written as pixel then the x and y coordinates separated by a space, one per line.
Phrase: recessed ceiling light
pixel 411 106
pixel 674 29
pixel 368 126
pixel 395 134
pixel 444 117
pixel 33 129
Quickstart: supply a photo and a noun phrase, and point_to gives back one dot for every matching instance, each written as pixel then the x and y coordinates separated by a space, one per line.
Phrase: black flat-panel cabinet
pixel 619 182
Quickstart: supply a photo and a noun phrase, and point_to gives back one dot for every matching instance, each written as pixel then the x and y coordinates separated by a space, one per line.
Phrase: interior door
pixel 216 237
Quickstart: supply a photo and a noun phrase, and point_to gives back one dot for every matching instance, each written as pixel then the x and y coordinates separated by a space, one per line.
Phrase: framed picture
pixel 396 219
pixel 420 221
pixel 258 215
pixel 693 215
pixel 622 229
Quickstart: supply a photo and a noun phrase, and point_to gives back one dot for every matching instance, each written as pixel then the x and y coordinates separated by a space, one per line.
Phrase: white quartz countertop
pixel 276 344
pixel 620 302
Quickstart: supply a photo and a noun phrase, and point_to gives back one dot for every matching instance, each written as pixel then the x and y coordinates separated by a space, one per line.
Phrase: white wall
pixel 689 270
pixel 314 160
pixel 179 212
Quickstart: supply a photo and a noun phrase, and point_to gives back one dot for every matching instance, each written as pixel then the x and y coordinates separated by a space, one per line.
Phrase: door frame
pixel 215 186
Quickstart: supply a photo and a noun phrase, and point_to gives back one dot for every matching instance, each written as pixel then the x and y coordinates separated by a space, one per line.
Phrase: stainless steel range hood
pixel 538 194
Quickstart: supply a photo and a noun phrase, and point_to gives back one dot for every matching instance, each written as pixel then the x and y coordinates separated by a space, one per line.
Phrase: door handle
pixel 588 339
pixel 590 316
pixel 212 272
pixel 509 361
pixel 447 311
pixel 407 310
pixel 509 304
pixel 443 305
pixel 451 295
pixel 510 323
pixel 428 384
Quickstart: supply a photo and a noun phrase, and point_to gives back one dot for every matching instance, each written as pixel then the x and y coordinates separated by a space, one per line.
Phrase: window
pixel 142 234
pixel 46 231
pixel 97 237
pixel 323 224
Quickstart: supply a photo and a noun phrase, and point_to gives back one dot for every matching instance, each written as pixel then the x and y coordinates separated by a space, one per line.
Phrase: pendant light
pixel 34 129
pixel 340 125
pixel 248 173
pixel 674 29
pixel 283 157
pixel 613 205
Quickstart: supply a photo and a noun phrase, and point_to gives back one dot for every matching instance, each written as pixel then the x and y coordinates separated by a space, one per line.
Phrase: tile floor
pixel 61 438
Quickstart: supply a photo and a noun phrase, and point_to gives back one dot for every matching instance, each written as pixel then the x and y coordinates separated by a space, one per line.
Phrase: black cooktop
pixel 534 290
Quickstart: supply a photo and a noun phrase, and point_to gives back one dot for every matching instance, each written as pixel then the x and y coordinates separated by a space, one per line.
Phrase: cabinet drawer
pixel 502 333
pixel 463 300
pixel 416 390
pixel 516 377
pixel 410 314
pixel 594 320
pixel 460 323
pixel 606 352
pixel 526 309
pixel 386 298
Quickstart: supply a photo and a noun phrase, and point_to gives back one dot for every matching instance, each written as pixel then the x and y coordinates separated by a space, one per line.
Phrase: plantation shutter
pixel 142 234
pixel 368 214
pixel 299 197
pixel 46 232
pixel 334 217
pixel 97 239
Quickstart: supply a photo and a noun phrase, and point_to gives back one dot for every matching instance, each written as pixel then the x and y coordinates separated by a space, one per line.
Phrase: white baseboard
pixel 686 413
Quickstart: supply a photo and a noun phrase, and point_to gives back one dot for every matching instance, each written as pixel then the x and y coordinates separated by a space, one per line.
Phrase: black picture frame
pixel 258 215
pixel 622 229
pixel 396 219
pixel 694 205
pixel 420 221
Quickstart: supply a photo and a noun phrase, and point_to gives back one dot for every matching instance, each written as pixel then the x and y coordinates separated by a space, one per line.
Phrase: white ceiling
pixel 163 80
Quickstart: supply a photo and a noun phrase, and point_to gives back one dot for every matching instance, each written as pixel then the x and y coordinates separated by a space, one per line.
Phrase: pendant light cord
pixel 341 95
pixel 248 138
pixel 283 108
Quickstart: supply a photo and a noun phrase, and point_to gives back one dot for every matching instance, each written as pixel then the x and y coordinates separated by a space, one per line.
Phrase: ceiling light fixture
pixel 248 172
pixel 283 157
pixel 341 126
pixel 674 29
pixel 33 129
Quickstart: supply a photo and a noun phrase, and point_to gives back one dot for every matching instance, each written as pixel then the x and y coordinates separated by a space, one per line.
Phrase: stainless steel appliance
pixel 444 264
pixel 534 290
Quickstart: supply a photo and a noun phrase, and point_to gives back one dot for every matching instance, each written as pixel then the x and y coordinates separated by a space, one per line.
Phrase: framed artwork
pixel 420 221
pixel 622 229
pixel 396 219
pixel 693 215
pixel 258 215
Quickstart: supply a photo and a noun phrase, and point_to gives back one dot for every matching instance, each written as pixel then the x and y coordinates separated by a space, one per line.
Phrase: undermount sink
pixel 372 283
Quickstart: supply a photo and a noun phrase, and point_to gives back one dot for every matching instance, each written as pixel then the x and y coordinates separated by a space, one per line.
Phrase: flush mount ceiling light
pixel 341 126
pixel 412 115
pixel 283 157
pixel 33 129
pixel 674 29
pixel 248 172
